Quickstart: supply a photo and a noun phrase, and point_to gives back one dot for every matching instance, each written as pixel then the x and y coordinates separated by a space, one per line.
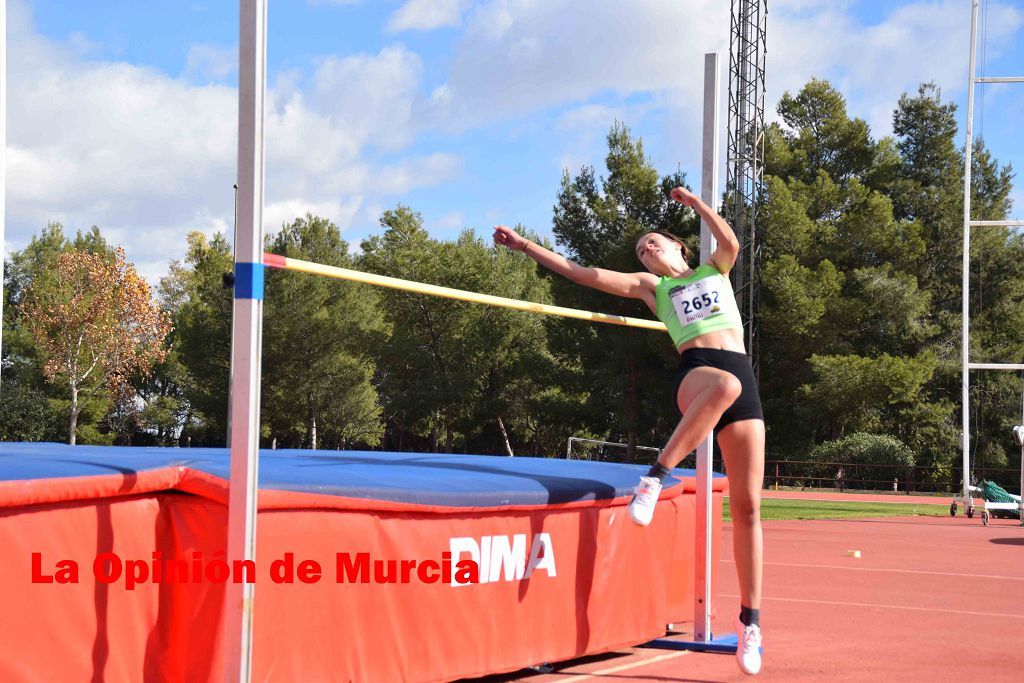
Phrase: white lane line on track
pixel 908 607
pixel 898 571
pixel 622 667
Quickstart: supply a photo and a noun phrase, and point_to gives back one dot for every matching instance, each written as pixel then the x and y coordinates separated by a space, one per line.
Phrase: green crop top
pixel 695 305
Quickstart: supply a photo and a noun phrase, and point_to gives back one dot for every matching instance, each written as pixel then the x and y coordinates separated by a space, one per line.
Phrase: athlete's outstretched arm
pixel 632 285
pixel 728 247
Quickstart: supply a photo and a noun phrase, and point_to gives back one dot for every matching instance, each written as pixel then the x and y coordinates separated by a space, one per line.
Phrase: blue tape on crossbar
pixel 249 281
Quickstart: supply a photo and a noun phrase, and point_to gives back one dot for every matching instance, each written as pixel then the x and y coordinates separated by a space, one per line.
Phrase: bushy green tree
pixel 200 305
pixel 319 338
pixel 863 461
pixel 627 373
pixel 861 278
pixel 455 373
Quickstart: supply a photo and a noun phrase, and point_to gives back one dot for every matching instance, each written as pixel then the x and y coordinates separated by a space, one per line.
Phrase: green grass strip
pixel 776 508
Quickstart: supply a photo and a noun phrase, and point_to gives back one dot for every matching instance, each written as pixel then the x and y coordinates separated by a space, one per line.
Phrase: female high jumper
pixel 715 386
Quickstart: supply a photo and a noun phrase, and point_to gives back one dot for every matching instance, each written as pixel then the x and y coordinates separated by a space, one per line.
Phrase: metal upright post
pixel 702 537
pixel 705 451
pixel 3 157
pixel 246 333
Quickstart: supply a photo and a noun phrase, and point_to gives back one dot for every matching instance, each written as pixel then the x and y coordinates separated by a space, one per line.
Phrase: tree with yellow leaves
pixel 96 325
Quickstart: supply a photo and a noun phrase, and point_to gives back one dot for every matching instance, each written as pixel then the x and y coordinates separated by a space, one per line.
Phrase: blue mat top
pixel 418 478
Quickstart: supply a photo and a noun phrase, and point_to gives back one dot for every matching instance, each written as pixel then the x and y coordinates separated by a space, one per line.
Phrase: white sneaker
pixel 641 508
pixel 748 650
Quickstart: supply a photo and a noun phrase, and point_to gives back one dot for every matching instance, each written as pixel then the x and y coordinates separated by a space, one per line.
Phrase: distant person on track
pixel 715 386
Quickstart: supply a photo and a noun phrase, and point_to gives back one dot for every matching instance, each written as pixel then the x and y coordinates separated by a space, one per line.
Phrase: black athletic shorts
pixel 748 405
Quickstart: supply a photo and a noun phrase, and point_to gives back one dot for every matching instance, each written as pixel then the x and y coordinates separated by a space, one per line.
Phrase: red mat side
pixel 611 584
pixel 17 493
pixel 95 631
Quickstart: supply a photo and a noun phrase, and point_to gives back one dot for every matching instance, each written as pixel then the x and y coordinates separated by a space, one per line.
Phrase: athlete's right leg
pixel 703 396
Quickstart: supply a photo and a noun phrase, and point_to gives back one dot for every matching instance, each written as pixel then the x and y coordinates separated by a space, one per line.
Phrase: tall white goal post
pixel 966 364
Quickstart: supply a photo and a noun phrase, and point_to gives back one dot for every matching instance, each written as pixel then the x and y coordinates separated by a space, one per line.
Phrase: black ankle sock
pixel 659 471
pixel 750 617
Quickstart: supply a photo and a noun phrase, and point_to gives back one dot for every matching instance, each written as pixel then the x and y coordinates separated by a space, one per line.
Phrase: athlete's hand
pixel 684 196
pixel 507 237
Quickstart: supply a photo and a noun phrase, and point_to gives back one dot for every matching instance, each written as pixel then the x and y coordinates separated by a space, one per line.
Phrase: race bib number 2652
pixel 696 301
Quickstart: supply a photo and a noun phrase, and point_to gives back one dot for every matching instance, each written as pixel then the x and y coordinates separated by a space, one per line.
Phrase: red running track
pixel 930 599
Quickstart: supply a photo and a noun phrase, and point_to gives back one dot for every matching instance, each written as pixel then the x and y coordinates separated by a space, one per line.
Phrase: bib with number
pixel 696 301
pixel 698 304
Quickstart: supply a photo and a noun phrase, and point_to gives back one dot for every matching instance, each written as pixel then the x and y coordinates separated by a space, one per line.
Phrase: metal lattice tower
pixel 745 153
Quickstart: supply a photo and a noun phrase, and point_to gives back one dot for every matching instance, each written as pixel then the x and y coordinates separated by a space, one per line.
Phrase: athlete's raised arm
pixel 728 247
pixel 631 285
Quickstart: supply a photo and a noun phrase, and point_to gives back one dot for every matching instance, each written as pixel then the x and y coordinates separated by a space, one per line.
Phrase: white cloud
pixel 873 64
pixel 585 63
pixel 585 130
pixel 417 172
pixel 372 213
pixel 590 116
pixel 427 15
pixel 450 221
pixel 80 44
pixel 152 262
pixel 148 157
pixel 211 62
pixel 371 96
pixel 279 213
pixel 518 56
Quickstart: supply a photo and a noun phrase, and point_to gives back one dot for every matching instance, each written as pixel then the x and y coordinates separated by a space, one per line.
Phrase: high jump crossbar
pixel 298 265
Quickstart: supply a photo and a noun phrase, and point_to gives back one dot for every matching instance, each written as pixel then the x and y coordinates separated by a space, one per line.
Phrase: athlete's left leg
pixel 742 446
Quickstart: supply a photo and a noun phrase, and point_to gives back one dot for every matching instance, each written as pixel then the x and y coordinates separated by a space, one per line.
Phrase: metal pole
pixel 709 195
pixel 3 158
pixel 966 273
pixel 246 334
pixel 234 245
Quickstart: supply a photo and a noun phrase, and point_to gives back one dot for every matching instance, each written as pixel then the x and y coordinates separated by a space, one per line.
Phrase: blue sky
pixel 122 114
